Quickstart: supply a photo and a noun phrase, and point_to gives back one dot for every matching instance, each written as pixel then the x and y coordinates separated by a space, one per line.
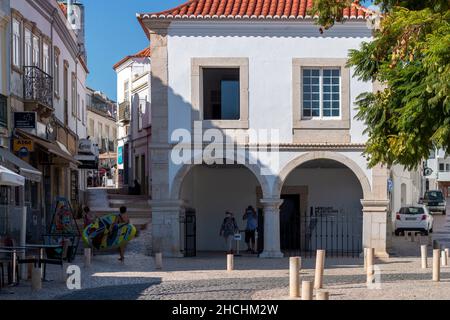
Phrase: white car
pixel 413 218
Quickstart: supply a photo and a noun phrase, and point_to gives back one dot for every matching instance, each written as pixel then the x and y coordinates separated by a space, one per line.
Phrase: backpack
pixel 229 226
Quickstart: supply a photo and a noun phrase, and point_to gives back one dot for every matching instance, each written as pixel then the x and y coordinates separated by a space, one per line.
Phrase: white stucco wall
pixel 63 40
pixel 270 51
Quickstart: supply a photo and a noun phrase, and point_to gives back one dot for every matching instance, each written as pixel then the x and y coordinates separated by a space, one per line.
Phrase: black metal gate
pixel 190 234
pixel 339 233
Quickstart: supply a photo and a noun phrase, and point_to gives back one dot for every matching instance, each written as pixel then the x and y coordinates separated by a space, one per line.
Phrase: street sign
pixel 427 172
pixel 25 120
pixel 238 237
pixel 390 185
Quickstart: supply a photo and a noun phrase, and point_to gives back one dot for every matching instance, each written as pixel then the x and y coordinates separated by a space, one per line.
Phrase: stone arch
pixel 175 190
pixel 298 161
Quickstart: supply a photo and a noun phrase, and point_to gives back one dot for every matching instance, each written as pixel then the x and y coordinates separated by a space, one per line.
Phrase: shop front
pixel 59 170
pixel 21 217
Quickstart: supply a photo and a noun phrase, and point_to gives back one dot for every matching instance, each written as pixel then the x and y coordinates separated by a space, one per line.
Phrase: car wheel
pixel 444 212
pixel 397 232
pixel 425 233
pixel 431 230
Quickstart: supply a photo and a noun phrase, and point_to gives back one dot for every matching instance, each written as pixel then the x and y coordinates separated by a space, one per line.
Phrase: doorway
pixel 290 223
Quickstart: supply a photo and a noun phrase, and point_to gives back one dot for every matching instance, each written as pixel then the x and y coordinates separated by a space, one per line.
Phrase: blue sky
pixel 112 32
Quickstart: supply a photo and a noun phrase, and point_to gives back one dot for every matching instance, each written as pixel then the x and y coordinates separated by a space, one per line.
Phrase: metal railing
pixel 38 86
pixel 124 111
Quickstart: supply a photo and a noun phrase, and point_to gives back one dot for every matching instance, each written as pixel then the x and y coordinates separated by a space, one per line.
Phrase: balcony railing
pixel 124 111
pixel 38 86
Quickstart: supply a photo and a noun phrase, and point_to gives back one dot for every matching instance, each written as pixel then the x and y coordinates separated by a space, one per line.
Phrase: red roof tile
pixel 146 53
pixel 247 9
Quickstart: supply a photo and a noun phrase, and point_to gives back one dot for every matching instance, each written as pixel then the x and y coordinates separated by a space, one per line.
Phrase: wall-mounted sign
pixel 120 155
pixel 21 144
pixel 427 172
pixel 25 120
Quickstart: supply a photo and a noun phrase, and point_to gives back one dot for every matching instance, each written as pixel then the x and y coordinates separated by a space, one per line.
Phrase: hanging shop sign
pixel 25 120
pixel 23 147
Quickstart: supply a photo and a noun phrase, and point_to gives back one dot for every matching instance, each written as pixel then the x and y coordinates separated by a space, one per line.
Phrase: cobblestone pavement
pixel 205 277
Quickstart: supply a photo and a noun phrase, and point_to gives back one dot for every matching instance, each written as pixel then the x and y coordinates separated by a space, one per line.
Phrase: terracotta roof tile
pixel 239 9
pixel 146 53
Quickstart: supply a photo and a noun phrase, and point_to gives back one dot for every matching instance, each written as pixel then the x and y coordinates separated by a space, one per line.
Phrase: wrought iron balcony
pixel 38 87
pixel 124 111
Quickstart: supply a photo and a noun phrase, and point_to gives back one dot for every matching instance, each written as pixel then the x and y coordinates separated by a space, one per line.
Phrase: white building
pixel 102 128
pixel 244 67
pixel 134 96
pixel 5 67
pixel 48 76
pixel 439 162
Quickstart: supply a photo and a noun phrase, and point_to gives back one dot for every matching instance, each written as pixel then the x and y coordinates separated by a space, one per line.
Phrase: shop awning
pixel 51 147
pixel 9 178
pixel 105 156
pixel 87 161
pixel 25 169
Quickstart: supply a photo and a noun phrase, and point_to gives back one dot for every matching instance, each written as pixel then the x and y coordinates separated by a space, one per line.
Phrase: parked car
pixel 414 218
pixel 434 200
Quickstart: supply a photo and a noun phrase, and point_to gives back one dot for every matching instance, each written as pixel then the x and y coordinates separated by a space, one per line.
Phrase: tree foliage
pixel 409 57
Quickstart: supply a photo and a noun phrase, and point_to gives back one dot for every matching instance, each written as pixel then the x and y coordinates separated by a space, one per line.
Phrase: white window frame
pixel 321 92
pixel 17 42
pixel 56 72
pixel 46 63
pixel 28 56
pixel 36 51
pixel 126 91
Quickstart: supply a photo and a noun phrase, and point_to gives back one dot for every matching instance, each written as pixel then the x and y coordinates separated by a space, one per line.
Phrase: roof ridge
pixel 251 9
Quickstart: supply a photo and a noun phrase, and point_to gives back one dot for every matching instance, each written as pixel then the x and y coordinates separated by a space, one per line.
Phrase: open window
pixel 221 94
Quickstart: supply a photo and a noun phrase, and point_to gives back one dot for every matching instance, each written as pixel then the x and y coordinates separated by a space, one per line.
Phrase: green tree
pixel 409 56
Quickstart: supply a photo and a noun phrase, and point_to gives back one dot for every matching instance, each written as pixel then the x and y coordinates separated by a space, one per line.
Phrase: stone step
pixel 129 203
pixel 132 212
pixel 127 197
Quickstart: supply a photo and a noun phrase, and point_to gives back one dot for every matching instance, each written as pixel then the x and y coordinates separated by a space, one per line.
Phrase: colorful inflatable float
pixel 105 233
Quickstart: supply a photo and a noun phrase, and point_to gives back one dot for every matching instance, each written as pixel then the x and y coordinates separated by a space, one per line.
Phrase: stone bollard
pixel 443 258
pixel 294 278
pixel 423 254
pixel 436 265
pixel 36 280
pixel 447 252
pixel 365 259
pixel 307 290
pixel 158 261
pixel 87 257
pixel 230 262
pixel 323 295
pixel 64 274
pixel 430 240
pixel 436 244
pixel 30 267
pixel 412 236
pixel 320 266
pixel 370 264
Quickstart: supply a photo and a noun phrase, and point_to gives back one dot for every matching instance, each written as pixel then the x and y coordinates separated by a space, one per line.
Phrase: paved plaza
pixel 205 277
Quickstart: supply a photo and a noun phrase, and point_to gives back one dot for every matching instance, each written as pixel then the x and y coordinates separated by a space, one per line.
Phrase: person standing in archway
pixel 252 224
pixel 228 229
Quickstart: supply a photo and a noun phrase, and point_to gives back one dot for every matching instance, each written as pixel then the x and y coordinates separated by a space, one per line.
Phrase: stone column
pixel 166 227
pixel 271 228
pixel 375 226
